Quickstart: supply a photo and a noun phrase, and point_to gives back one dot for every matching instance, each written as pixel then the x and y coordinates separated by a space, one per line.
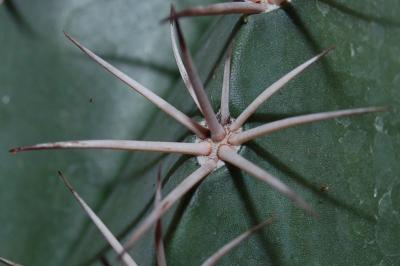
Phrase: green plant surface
pixel 347 168
pixel 49 91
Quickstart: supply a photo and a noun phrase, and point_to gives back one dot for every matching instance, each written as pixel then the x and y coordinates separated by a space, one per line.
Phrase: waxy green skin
pixel 355 157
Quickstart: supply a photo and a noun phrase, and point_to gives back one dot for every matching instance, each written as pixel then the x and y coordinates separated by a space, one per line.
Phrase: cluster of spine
pixel 221 131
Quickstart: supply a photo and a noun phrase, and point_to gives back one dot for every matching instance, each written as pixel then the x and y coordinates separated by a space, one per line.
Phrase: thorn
pixel 225 114
pixel 217 131
pixel 160 252
pixel 8 262
pixel 247 8
pixel 269 128
pixel 112 240
pixel 179 191
pixel 165 106
pixel 271 90
pixel 213 259
pixel 229 155
pixel 181 67
pixel 201 148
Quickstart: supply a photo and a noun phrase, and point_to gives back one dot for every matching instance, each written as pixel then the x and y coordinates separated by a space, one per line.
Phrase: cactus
pixel 346 169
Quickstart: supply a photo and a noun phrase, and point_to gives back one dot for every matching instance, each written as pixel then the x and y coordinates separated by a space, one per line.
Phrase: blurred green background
pixel 50 91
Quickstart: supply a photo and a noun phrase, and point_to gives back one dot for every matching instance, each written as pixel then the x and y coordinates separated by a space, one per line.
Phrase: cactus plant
pixel 355 159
